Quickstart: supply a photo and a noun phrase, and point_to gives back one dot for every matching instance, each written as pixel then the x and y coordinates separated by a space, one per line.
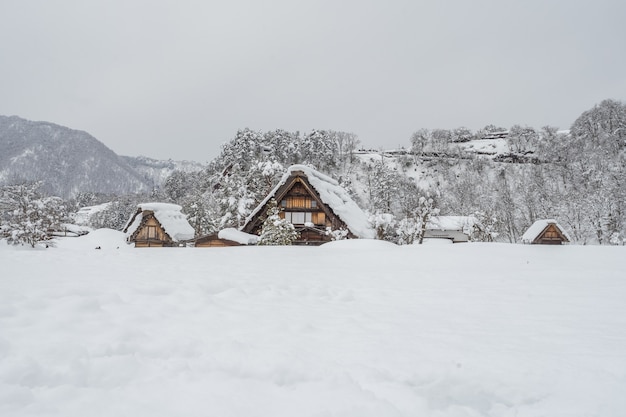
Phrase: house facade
pixel 314 203
pixel 158 225
pixel 545 232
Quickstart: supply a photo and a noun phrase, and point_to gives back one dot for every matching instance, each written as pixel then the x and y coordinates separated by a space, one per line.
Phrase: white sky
pixel 175 79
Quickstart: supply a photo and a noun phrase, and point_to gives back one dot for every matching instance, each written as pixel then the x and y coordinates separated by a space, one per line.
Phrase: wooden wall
pixel 151 234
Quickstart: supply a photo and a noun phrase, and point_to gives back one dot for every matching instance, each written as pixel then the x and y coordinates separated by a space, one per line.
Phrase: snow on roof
pixel 173 221
pixel 450 222
pixel 331 194
pixel 238 236
pixel 539 226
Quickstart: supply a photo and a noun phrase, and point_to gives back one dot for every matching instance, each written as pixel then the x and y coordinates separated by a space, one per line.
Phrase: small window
pixel 313 204
pixel 283 203
pixel 297 218
pixel 152 232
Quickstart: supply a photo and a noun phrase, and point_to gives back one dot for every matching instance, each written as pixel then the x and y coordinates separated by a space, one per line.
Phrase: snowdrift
pixel 358 328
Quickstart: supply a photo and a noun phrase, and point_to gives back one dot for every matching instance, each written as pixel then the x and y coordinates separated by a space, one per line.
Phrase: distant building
pixel 502 134
pixel 158 225
pixel 454 228
pixel 545 232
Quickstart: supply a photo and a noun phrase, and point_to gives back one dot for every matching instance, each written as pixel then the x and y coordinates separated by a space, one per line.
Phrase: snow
pixel 83 215
pixel 485 146
pixel 331 194
pixel 367 328
pixel 238 236
pixel 539 226
pixel 68 229
pixel 462 223
pixel 171 218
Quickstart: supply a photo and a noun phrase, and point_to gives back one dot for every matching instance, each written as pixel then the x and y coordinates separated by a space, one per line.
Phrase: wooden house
pixel 224 238
pixel 314 203
pixel 158 225
pixel 545 232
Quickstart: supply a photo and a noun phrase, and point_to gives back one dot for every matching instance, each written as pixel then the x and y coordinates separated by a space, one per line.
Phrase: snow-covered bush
pixel 384 225
pixel 337 234
pixel 276 231
pixel 408 231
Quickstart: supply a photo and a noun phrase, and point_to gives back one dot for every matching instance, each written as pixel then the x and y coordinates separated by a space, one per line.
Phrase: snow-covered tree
pixel 425 210
pixel 419 140
pixel 484 228
pixel 338 234
pixel 27 217
pixel 461 134
pixel 382 182
pixel 522 139
pixel 117 213
pixel 384 225
pixel 276 231
pixel 408 230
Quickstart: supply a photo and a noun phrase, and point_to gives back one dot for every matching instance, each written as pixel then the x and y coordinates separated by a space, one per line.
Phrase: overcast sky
pixel 176 79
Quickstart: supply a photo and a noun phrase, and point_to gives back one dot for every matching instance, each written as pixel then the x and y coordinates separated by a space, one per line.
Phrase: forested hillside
pixel 67 161
pixel 505 178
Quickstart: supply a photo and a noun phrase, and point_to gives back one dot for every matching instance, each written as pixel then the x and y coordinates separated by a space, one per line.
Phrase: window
pixel 152 233
pixel 298 217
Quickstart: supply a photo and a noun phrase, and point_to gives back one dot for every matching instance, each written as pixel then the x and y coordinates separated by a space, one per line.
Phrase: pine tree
pixel 276 231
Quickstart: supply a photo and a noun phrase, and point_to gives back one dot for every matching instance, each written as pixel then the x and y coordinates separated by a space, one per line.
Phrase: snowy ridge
pixel 170 216
pixel 539 226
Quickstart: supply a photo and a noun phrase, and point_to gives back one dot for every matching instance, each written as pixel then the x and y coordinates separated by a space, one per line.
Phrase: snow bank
pixel 359 244
pixel 380 330
pixel 99 238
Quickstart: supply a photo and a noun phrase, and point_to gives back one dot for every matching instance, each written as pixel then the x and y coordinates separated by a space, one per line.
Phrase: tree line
pixel 576 176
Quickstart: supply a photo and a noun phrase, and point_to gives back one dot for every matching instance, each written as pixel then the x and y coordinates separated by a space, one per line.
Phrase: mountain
pixel 156 171
pixel 70 161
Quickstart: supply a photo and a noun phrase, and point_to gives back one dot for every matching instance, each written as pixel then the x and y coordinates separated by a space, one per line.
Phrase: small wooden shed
pixel 545 232
pixel 158 225
pixel 454 228
pixel 224 238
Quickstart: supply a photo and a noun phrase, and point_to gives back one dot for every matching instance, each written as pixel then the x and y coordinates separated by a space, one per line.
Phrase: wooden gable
pixel 150 232
pixel 551 235
pixel 300 204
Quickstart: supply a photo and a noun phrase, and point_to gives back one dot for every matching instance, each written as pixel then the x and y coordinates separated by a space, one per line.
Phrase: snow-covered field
pixel 361 328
